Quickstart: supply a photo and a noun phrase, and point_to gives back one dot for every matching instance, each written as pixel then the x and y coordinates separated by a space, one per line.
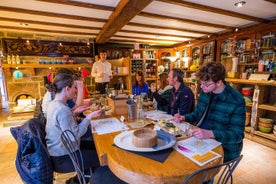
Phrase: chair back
pixel 69 141
pixel 207 175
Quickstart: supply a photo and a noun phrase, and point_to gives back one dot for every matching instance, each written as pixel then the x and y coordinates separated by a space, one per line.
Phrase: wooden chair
pixel 207 175
pixel 69 141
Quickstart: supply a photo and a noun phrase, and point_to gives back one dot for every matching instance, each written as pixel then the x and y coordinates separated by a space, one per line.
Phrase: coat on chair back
pixel 33 162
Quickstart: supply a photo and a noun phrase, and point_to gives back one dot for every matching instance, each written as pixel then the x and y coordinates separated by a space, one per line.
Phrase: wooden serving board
pixel 169 127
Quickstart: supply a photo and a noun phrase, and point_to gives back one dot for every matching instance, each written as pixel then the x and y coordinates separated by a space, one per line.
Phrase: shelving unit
pixel 148 66
pixel 124 75
pixel 208 52
pixel 268 50
pixel 8 67
pixel 266 107
pixel 196 56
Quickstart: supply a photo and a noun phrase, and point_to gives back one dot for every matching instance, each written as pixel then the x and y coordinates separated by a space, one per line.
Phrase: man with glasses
pixel 220 111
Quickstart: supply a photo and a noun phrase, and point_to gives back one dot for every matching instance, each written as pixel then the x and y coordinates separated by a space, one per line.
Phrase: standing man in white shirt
pixel 101 70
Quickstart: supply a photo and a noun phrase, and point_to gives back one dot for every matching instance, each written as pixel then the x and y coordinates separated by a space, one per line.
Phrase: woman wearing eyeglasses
pixel 220 111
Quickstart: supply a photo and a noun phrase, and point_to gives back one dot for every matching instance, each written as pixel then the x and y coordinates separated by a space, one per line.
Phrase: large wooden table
pixel 133 168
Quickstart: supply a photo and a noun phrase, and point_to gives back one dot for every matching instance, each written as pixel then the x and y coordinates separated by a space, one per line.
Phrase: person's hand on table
pixel 178 118
pixel 94 114
pixel 201 133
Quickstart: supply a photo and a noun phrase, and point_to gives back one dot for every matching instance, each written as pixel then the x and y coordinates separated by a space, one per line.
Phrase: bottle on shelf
pixel 9 61
pixel 17 59
pixel 13 61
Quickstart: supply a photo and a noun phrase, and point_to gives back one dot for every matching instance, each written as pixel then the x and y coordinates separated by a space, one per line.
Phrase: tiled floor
pixel 258 165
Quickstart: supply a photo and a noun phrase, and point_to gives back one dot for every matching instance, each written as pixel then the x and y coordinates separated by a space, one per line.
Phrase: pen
pixel 183 148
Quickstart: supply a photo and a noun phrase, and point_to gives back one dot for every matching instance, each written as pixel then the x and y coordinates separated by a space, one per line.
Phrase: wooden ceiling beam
pixel 80 4
pixel 140 42
pixel 156 34
pixel 214 10
pixel 47 30
pixel 49 14
pixel 49 23
pixel 272 1
pixel 125 11
pixel 199 23
pixel 169 28
pixel 143 38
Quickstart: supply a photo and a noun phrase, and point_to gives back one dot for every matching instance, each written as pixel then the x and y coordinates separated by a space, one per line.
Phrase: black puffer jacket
pixel 33 162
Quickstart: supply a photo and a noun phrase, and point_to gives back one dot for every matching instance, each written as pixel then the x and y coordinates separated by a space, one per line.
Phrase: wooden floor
pixel 258 165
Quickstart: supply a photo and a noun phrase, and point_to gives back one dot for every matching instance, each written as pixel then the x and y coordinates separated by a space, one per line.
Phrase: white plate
pixel 124 141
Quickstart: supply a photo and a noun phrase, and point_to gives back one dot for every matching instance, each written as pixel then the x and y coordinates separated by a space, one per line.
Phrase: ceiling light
pixel 240 4
pixel 236 30
pixel 23 24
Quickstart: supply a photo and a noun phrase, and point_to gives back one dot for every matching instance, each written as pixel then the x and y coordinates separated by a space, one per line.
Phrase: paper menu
pixel 107 125
pixel 158 115
pixel 200 146
pixel 197 150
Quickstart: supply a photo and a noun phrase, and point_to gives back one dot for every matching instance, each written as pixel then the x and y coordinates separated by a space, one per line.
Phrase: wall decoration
pixel 17 74
pixel 47 48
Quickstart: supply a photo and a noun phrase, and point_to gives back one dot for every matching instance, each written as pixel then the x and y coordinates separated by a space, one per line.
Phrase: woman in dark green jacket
pixel 162 96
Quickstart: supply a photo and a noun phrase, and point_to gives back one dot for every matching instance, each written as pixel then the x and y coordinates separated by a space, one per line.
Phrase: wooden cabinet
pixel 150 70
pixel 264 105
pixel 196 56
pixel 121 71
pixel 268 51
pixel 208 52
pixel 186 59
pixel 199 54
pixel 225 49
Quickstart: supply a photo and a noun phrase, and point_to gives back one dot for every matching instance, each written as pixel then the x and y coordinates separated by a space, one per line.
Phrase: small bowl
pixel 266 120
pixel 144 138
pixel 247 91
pixel 264 130
pixel 265 125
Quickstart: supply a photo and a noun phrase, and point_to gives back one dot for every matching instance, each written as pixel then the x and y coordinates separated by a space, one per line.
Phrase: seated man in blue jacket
pixel 182 98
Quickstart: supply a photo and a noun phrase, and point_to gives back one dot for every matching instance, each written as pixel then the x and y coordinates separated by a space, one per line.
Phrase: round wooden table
pixel 133 168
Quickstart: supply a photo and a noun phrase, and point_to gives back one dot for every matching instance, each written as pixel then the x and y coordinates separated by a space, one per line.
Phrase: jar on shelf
pixel 17 59
pixel 9 60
